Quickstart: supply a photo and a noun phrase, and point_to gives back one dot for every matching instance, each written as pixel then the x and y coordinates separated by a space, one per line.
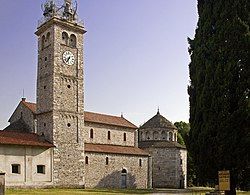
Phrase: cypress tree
pixel 219 92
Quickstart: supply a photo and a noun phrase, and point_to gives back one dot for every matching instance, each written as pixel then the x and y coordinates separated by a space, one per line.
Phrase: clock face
pixel 68 58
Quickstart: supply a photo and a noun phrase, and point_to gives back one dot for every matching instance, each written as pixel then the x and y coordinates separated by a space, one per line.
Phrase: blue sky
pixel 136 56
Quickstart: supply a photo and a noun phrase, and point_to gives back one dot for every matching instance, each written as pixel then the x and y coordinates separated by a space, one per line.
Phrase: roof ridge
pixel 94 117
pixel 104 114
pixel 129 121
pixel 158 121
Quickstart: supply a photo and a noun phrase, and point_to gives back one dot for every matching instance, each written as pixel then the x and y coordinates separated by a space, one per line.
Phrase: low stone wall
pixel 2 183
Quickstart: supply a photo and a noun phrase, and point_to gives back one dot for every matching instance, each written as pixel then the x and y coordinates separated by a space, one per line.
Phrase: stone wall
pixel 100 175
pixel 28 158
pixel 26 114
pixel 60 100
pixel 183 168
pixel 100 134
pixel 168 167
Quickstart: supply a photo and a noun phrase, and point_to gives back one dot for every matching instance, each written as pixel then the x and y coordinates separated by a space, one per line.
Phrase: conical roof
pixel 158 121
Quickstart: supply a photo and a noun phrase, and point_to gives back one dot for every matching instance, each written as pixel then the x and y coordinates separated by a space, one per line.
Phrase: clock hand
pixel 68 58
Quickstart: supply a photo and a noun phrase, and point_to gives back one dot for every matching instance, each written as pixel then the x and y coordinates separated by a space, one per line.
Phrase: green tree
pixel 180 139
pixel 219 91
pixel 183 133
pixel 183 130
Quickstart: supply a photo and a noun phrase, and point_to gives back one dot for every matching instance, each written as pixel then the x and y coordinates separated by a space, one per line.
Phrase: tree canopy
pixel 219 137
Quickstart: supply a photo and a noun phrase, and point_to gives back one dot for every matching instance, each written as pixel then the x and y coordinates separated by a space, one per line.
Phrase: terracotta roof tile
pixel 95 117
pixel 158 121
pixel 20 138
pixel 31 106
pixel 114 149
pixel 108 119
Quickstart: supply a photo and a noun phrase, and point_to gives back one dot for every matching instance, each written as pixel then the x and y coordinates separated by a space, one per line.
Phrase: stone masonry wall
pixel 100 135
pixel 100 175
pixel 26 114
pixel 60 103
pixel 183 168
pixel 168 167
pixel 68 112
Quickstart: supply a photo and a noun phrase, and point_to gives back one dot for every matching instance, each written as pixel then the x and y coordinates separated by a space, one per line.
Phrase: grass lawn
pixel 104 191
pixel 74 191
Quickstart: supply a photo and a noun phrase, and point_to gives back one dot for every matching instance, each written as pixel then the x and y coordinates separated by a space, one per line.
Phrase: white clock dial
pixel 68 58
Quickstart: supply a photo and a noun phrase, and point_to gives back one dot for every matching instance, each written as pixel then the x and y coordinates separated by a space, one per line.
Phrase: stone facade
pixel 158 137
pixel 169 167
pixel 60 98
pixel 28 158
pixel 112 158
pixel 22 111
pixel 97 160
pixel 117 134
pixel 101 175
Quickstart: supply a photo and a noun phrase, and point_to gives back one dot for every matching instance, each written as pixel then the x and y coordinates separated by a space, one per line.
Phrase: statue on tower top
pixel 48 8
pixel 65 11
pixel 69 12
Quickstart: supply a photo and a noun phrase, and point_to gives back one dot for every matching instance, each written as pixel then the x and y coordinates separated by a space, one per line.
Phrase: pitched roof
pixel 158 121
pixel 108 120
pixel 21 138
pixel 31 106
pixel 160 144
pixel 95 117
pixel 114 149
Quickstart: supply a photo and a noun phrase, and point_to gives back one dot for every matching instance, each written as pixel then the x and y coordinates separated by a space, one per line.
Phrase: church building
pixel 158 137
pixel 56 143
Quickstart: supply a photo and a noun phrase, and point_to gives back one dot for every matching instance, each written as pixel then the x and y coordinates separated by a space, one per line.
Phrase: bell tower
pixel 60 106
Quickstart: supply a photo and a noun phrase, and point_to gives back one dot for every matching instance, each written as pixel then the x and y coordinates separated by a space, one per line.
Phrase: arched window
pixel 43 41
pixel 72 41
pixel 91 133
pixel 170 136
pixel 65 38
pixel 48 37
pixel 155 135
pixel 124 137
pixel 124 178
pixel 86 160
pixel 140 162
pixel 163 135
pixel 107 160
pixel 147 135
pixel 109 137
pixel 124 171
